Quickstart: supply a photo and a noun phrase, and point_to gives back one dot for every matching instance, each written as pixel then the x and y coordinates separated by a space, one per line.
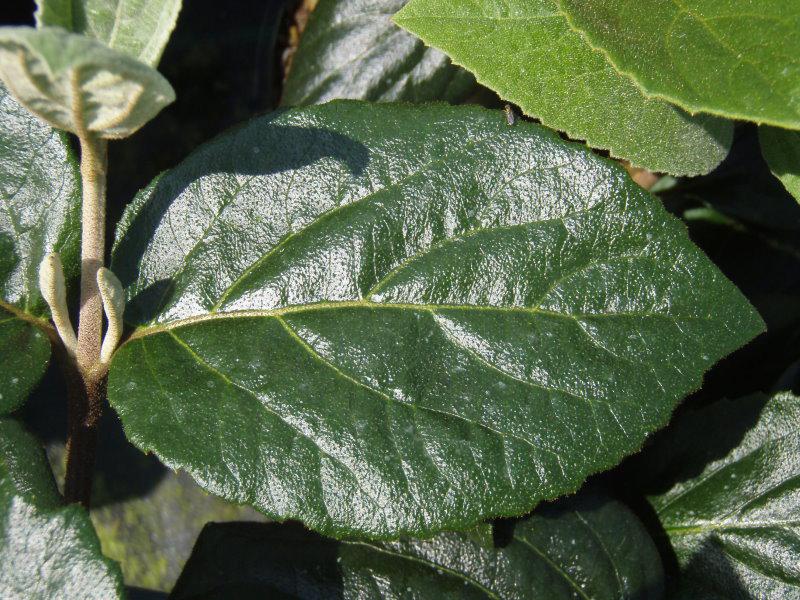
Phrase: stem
pixel 93 248
pixel 87 383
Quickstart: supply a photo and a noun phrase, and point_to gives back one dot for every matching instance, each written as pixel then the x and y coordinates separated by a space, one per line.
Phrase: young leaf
pixel 736 59
pixel 781 148
pixel 587 547
pixel 41 196
pixel 732 516
pixel 384 319
pixel 47 549
pixel 526 52
pixel 139 28
pixel 353 50
pixel 78 84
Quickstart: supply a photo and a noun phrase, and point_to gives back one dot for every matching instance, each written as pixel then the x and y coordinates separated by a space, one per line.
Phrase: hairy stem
pixel 87 385
pixel 93 247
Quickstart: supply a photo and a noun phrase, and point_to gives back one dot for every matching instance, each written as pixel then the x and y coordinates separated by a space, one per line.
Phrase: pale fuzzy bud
pixel 54 292
pixel 113 297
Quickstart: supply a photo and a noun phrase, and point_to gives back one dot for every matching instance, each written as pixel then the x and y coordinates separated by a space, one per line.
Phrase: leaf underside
pixel 40 213
pixel 586 547
pixel 78 84
pixel 735 58
pixel 47 549
pixel 733 520
pixel 351 49
pixel 139 28
pixel 526 51
pixel 386 319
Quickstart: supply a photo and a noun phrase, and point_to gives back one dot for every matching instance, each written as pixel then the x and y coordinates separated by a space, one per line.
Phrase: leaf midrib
pixel 147 330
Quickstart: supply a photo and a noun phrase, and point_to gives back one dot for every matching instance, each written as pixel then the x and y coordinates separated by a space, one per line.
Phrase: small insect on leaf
pixel 511 116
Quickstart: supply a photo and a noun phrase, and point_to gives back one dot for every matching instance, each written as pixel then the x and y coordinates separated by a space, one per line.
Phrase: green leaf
pixel 40 195
pixel 139 28
pixel 781 149
pixel 587 547
pixel 384 319
pixel 353 50
pixel 78 84
pixel 526 52
pixel 739 60
pixel 47 549
pixel 732 515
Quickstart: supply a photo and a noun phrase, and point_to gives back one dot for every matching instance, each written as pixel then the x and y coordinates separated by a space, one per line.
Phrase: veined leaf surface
pixel 40 195
pixel 585 547
pixel 386 319
pixel 526 52
pixel 351 49
pixel 47 549
pixel 139 28
pixel 734 58
pixel 732 517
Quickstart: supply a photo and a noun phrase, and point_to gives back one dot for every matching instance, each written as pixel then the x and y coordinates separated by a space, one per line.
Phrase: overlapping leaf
pixel 381 319
pixel 40 213
pixel 735 58
pixel 351 49
pixel 732 516
pixel 782 150
pixel 526 52
pixel 589 547
pixel 139 28
pixel 47 550
pixel 79 84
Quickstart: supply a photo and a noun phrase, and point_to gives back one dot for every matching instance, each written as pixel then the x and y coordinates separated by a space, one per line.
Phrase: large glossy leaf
pixel 78 84
pixel 351 49
pixel 139 28
pixel 381 319
pixel 587 547
pixel 735 58
pixel 526 52
pixel 733 515
pixel 47 549
pixel 782 150
pixel 40 213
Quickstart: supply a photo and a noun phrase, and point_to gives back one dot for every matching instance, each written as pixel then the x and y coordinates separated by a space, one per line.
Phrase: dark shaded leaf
pixel 47 549
pixel 586 547
pixel 351 49
pixel 782 150
pixel 732 515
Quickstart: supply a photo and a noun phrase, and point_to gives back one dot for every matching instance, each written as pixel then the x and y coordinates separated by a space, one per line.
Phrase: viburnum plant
pixel 414 318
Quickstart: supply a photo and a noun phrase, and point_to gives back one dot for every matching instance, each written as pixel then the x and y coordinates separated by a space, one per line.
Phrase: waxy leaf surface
pixel 47 549
pixel 139 28
pixel 40 195
pixel 588 547
pixel 78 84
pixel 526 52
pixel 385 319
pixel 781 149
pixel 732 516
pixel 351 49
pixel 735 58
